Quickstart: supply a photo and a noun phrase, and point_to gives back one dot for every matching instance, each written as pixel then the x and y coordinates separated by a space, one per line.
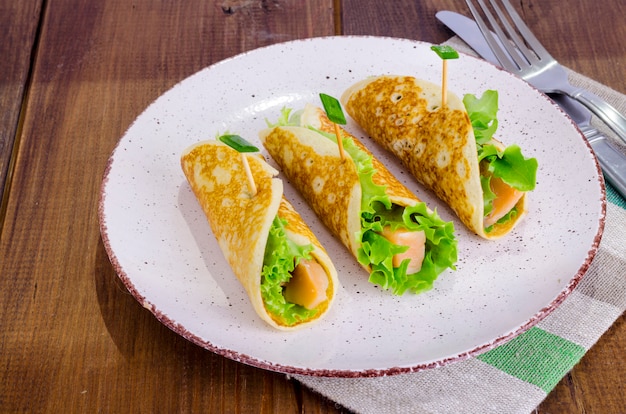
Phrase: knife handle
pixel 602 109
pixel 611 159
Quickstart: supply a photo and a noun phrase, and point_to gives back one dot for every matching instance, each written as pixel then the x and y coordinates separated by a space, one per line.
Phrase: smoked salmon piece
pixel 308 285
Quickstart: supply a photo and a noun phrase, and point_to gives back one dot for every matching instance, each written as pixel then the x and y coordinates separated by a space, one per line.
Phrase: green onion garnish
pixel 238 143
pixel 445 52
pixel 333 109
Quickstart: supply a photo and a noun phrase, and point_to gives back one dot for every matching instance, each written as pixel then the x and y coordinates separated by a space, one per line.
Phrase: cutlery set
pixel 519 52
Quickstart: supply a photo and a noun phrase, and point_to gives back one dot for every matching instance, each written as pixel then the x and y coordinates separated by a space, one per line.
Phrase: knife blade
pixel 611 160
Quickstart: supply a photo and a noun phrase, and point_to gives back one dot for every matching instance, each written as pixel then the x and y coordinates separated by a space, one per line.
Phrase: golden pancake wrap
pixel 437 145
pixel 241 222
pixel 330 185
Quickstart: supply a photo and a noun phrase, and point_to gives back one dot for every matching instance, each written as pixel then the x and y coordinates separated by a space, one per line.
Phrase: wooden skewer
pixel 246 166
pixel 444 83
pixel 339 141
pixel 242 146
pixel 445 53
pixel 335 115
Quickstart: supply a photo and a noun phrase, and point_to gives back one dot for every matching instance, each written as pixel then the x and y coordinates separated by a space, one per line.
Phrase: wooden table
pixel 73 77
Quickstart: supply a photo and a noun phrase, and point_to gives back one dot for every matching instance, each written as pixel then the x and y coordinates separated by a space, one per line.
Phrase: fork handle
pixel 602 109
pixel 612 161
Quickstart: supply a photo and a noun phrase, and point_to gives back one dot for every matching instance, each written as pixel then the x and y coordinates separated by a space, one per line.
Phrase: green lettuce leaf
pixel 286 118
pixel 377 210
pixel 508 216
pixel 488 195
pixel 281 257
pixel 377 251
pixel 513 168
pixel 509 165
pixel 482 113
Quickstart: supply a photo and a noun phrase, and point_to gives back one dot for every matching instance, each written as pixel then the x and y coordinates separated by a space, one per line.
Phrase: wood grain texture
pixel 19 22
pixel 73 339
pixel 596 384
pixel 582 35
pixel 594 49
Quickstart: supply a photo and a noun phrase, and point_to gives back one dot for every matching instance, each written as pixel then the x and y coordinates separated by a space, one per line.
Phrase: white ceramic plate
pixel 163 250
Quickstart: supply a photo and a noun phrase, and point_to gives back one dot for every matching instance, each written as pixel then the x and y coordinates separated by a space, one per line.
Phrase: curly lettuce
pixel 376 251
pixel 378 211
pixel 509 164
pixel 281 258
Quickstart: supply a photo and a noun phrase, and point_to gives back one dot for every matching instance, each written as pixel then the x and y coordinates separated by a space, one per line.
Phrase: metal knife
pixel 611 159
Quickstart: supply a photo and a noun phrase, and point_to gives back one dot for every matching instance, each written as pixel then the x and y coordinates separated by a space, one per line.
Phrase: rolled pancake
pixel 333 189
pixel 241 222
pixel 437 145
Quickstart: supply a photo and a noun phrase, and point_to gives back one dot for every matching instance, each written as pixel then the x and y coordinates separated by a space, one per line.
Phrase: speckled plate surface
pixel 163 250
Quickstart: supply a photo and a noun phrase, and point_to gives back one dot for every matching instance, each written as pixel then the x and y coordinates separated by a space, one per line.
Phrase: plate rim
pixel 343 373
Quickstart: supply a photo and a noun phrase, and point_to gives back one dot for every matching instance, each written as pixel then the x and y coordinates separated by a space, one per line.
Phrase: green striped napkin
pixel 516 376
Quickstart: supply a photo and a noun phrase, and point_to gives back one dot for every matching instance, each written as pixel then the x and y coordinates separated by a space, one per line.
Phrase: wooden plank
pixel 573 36
pixel 595 50
pixel 73 339
pixel 18 29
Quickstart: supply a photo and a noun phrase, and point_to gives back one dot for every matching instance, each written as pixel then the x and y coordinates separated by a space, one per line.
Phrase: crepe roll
pixel 393 234
pixel 288 276
pixel 449 149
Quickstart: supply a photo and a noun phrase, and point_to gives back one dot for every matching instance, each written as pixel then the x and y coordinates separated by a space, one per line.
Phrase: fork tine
pixel 539 51
pixel 528 56
pixel 518 57
pixel 501 54
pixel 520 60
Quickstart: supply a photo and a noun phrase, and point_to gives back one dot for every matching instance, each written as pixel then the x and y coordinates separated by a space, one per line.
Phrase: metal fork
pixel 527 58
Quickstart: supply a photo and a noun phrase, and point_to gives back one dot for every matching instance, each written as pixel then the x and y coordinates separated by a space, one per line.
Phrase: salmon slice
pixel 506 198
pixel 416 242
pixel 308 284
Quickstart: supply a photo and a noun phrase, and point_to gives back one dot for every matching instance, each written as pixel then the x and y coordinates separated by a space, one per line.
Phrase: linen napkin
pixel 516 376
